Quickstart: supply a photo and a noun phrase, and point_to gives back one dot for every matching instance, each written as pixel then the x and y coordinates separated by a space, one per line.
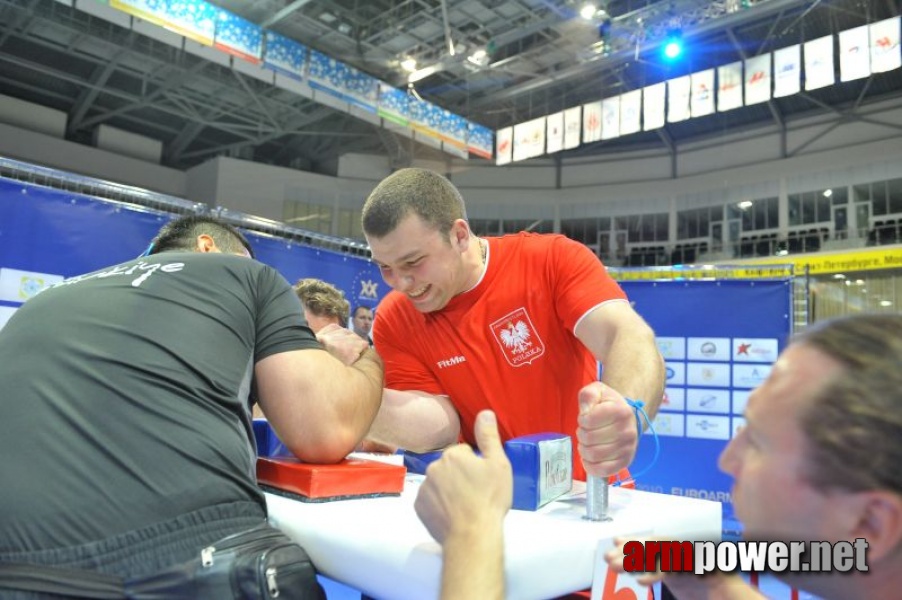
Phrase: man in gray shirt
pixel 126 435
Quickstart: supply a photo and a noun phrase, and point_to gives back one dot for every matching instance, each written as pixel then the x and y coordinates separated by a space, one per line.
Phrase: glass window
pixel 662 222
pixel 581 230
pixel 840 196
pixel 772 213
pixel 748 219
pixel 759 214
pixel 795 209
pixel 685 223
pixel 878 198
pixel 808 208
pixel 484 226
pixel 694 223
pixel 894 189
pixel 823 208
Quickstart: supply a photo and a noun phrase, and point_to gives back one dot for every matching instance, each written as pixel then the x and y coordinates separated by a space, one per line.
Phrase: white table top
pixel 380 547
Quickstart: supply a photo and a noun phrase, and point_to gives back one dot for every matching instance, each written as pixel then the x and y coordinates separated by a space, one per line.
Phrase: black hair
pixel 181 235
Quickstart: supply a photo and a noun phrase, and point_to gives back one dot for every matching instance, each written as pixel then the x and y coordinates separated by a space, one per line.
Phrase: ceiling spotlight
pixel 588 11
pixel 479 58
pixel 409 64
pixel 745 204
pixel 422 73
pixel 827 193
pixel 673 42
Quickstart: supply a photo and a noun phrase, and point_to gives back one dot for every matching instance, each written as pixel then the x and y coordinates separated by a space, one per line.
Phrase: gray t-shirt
pixel 123 395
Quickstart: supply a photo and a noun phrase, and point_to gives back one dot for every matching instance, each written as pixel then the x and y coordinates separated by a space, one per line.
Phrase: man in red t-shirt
pixel 515 324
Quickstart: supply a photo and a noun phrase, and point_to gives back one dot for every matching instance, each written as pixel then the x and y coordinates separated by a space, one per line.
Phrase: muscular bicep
pixel 319 407
pixel 625 344
pixel 416 421
pixel 599 328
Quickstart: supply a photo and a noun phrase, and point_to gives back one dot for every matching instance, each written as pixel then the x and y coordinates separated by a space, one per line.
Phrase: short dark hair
pixel 363 306
pixel 181 235
pixel 853 426
pixel 424 193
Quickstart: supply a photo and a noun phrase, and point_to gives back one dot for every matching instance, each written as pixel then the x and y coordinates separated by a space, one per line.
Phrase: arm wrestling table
pixel 379 546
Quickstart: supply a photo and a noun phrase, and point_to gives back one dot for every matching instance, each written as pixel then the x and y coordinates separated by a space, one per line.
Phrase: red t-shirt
pixel 508 343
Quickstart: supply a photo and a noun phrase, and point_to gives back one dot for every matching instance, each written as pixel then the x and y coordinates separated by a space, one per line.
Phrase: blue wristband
pixel 639 409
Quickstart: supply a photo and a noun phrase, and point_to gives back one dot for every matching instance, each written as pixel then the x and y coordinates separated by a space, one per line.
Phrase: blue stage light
pixel 673 44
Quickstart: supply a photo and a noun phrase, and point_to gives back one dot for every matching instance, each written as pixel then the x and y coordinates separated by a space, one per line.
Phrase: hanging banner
pixel 284 56
pixel 194 19
pixel 554 124
pixel 757 79
pixel 610 111
pixel 504 145
pixel 572 127
pixel 885 49
pixel 631 112
pixel 454 133
pixel 426 119
pixel 819 71
pixel 591 122
pixel 729 88
pixel 239 37
pixel 702 102
pixel 149 10
pixel 394 105
pixel 480 140
pixel 326 74
pixel 529 139
pixel 679 91
pixel 653 102
pixel 854 53
pixel 788 71
pixel 361 89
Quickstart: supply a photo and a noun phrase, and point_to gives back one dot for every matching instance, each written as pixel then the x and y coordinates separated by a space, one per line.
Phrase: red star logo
pixel 743 349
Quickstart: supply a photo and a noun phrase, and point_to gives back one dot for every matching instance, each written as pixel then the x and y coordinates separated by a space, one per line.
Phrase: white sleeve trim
pixel 586 314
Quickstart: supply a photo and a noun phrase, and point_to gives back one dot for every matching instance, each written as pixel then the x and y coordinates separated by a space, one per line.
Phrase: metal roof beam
pixel 291 8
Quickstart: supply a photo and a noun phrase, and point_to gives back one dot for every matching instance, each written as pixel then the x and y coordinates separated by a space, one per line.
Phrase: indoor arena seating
pixel 647 256
pixel 888 231
pixel 754 245
pixel 687 253
pixel 806 240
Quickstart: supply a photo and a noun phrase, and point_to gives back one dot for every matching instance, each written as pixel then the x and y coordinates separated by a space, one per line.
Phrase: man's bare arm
pixel 607 435
pixel 319 407
pixel 625 344
pixel 415 421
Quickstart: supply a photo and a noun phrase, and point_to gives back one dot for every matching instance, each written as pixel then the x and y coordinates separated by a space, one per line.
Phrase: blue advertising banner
pixel 238 37
pixel 284 55
pixel 357 277
pixel 719 340
pixel 394 104
pixel 481 140
pixel 47 235
pixel 65 234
